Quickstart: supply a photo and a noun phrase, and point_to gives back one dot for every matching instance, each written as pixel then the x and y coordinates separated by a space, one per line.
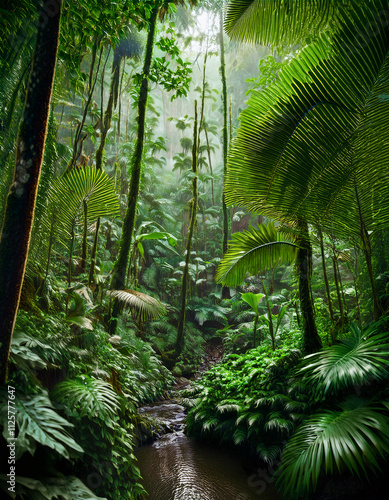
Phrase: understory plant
pixel 315 416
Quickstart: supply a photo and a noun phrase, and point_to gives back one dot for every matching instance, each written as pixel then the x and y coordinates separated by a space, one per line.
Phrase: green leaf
pixel 352 362
pixel 37 422
pixel 277 23
pixel 52 488
pixel 253 299
pixel 352 438
pixel 87 397
pixel 69 192
pixel 252 251
pixel 145 306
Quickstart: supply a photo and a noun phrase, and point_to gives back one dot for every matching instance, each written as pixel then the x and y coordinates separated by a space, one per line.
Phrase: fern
pixel 240 435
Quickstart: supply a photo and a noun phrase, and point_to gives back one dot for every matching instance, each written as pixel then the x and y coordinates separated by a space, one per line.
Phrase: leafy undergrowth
pixel 314 417
pixel 76 393
pixel 246 401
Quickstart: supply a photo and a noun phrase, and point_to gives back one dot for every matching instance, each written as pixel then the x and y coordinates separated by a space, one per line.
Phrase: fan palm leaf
pixel 252 251
pixel 263 21
pixel 86 185
pixel 363 355
pixel 352 437
pixel 314 144
pixel 145 306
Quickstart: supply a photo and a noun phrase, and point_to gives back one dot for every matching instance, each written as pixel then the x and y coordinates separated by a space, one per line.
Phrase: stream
pixel 176 467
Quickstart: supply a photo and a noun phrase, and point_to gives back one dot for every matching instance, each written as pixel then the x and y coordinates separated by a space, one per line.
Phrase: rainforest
pixel 194 249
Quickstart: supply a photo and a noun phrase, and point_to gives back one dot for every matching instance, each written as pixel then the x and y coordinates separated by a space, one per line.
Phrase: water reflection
pixel 178 468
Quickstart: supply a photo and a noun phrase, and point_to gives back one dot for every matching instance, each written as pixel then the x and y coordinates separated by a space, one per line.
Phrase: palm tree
pixel 20 204
pixel 352 435
pixel 313 146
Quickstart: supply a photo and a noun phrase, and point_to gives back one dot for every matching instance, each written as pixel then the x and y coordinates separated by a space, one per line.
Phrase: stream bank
pixel 175 467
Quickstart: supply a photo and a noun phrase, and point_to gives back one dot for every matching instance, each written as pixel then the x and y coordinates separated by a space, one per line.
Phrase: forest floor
pixel 214 351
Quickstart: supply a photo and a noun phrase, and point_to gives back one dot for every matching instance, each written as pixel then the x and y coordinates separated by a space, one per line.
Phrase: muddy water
pixel 178 468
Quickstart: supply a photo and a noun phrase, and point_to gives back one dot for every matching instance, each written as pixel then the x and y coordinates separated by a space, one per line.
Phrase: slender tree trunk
pixel 105 126
pixel 367 251
pixel 335 268
pixel 20 204
pixel 106 122
pixel 84 238
pixel 355 274
pixel 120 100
pixel 120 267
pixel 202 102
pixel 51 238
pixel 225 290
pixel 327 285
pixel 311 339
pixel 192 224
pixel 78 139
pixel 71 250
pixel 255 329
pixel 271 326
pixel 210 164
pixel 341 288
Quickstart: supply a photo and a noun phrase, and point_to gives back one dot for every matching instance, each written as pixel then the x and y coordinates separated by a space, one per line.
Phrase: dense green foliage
pixel 322 408
pixel 129 278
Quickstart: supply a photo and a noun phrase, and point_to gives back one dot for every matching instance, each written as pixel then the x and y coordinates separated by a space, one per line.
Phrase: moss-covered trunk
pixel 311 339
pixel 106 125
pixel 120 267
pixel 225 290
pixel 192 224
pixel 21 199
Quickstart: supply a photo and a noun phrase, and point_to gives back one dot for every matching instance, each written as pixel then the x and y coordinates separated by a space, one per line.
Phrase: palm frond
pixel 352 438
pixel 275 23
pixel 254 250
pixel 88 185
pixel 356 359
pixel 240 435
pixel 307 142
pixel 268 453
pixel 145 306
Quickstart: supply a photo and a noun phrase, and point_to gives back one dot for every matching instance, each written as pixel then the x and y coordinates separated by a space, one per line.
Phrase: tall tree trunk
pixel 120 267
pixel 225 290
pixel 210 164
pixel 355 275
pixel 21 199
pixel 311 339
pixel 327 285
pixel 271 326
pixel 336 279
pixel 201 126
pixel 106 122
pixel 79 136
pixel 105 126
pixel 367 251
pixel 84 247
pixel 192 224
